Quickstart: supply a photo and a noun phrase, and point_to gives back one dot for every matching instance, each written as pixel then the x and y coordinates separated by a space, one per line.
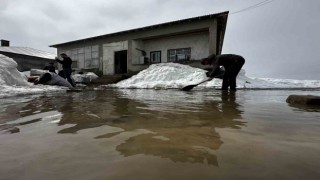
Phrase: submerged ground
pixel 164 134
pixel 48 133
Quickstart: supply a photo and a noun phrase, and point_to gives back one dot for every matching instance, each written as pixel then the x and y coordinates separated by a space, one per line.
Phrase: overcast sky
pixel 280 39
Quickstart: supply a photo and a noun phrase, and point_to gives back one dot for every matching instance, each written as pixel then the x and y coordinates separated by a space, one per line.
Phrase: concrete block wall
pixel 198 42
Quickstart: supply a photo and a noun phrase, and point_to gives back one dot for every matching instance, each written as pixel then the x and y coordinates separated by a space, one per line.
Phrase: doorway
pixel 120 62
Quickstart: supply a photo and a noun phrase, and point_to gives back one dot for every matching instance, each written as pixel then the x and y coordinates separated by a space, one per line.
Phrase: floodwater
pixel 164 134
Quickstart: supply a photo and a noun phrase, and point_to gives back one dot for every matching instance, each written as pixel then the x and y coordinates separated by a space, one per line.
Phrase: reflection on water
pixel 186 125
pixel 182 127
pixel 305 108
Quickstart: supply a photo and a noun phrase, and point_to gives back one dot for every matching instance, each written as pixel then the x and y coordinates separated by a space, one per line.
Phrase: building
pixel 26 58
pixel 131 51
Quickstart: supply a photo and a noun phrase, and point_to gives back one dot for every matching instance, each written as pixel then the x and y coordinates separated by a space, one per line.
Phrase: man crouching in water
pixel 50 78
pixel 232 64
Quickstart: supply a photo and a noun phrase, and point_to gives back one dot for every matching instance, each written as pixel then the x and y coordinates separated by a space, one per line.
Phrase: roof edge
pixel 143 28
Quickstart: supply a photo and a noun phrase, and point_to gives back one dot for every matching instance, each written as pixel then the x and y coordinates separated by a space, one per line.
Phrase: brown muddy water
pixel 165 134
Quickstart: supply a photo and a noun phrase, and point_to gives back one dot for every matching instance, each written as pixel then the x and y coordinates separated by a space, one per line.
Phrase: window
pixel 91 57
pixel 85 58
pixel 155 57
pixel 179 55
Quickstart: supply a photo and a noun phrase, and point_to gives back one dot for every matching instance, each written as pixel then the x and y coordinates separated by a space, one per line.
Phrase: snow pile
pixel 164 75
pixel 13 82
pixel 84 78
pixel 9 75
pixel 9 91
pixel 37 72
pixel 172 75
pixel 157 76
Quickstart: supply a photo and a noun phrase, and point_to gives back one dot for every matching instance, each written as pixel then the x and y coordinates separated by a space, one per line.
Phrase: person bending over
pixel 232 64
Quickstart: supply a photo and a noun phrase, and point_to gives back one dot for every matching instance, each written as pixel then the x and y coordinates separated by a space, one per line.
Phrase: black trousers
pixel 231 72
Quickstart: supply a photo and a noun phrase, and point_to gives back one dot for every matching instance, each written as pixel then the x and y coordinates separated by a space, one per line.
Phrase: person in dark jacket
pixel 66 66
pixel 50 67
pixel 232 64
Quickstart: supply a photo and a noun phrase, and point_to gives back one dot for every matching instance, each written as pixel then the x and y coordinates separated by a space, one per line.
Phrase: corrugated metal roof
pixel 148 27
pixel 28 51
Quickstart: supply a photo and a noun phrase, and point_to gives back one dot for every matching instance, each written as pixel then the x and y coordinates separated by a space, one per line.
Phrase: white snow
pixel 163 76
pixel 84 78
pixel 13 82
pixel 157 76
pixel 172 75
pixel 9 74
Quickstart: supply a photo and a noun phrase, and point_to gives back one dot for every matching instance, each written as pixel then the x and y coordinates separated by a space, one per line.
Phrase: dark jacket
pixel 225 60
pixel 66 62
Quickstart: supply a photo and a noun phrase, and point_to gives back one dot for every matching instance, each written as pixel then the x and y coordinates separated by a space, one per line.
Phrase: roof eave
pixel 144 28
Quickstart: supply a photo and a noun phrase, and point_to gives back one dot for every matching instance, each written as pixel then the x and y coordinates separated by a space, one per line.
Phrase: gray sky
pixel 279 39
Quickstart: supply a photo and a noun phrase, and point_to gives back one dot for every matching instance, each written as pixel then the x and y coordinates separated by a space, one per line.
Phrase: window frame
pixel 151 57
pixel 175 55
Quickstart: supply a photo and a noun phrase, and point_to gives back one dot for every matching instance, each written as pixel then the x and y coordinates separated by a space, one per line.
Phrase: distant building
pixel 27 58
pixel 130 51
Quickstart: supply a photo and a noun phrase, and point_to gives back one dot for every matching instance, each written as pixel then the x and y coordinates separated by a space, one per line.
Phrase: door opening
pixel 120 62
